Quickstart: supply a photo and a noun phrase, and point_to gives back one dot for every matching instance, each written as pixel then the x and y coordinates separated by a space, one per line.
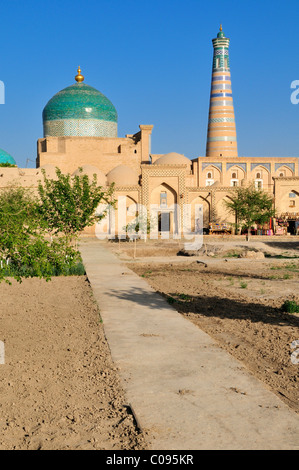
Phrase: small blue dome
pixel 6 158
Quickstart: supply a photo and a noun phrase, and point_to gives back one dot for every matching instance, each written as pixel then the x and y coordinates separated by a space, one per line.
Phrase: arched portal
pixel 206 211
pixel 163 201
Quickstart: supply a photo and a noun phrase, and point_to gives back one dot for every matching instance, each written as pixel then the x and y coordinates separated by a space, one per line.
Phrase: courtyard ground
pixel 59 387
pixel 237 301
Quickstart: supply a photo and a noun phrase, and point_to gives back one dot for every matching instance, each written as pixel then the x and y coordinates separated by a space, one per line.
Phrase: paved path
pixel 185 390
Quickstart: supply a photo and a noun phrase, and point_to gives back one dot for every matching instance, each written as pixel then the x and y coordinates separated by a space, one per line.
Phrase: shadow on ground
pixel 212 306
pixel 140 297
pixel 223 308
pixel 283 245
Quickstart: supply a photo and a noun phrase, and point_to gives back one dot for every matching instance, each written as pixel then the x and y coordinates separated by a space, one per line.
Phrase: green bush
pixel 25 271
pixel 290 306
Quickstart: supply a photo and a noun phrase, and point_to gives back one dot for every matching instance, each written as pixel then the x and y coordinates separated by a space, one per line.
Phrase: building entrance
pixel 164 222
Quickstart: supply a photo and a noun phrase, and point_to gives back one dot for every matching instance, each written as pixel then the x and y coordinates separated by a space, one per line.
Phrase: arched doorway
pixel 206 212
pixel 163 202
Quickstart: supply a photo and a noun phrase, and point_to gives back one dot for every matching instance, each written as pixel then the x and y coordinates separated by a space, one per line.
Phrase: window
pixel 209 178
pixel 258 184
pixel 258 175
pixel 163 199
pixel 281 174
pixel 234 175
pixel 234 182
pixel 292 204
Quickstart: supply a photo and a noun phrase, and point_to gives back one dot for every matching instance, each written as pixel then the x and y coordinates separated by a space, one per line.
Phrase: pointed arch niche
pixel 164 197
pixel 206 210
pixel 211 174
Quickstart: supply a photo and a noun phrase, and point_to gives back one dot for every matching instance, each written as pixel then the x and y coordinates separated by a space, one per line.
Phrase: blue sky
pixel 153 60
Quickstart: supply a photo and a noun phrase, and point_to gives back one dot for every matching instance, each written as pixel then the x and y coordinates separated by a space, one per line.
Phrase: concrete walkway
pixel 186 391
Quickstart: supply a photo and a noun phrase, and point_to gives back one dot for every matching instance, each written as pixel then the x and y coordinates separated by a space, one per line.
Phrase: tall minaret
pixel 222 137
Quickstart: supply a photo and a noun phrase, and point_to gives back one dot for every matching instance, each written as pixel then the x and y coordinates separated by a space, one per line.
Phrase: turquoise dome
pixel 221 33
pixel 6 158
pixel 80 110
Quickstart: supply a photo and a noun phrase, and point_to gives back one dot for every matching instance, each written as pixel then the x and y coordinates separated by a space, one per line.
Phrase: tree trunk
pixel 135 246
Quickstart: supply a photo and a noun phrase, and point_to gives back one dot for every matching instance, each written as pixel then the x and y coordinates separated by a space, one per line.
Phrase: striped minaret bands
pixel 222 137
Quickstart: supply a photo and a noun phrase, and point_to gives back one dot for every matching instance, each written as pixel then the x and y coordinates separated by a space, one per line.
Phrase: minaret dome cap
pixel 221 33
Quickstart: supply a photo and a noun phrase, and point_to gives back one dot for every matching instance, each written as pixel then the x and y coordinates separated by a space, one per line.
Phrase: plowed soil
pixel 59 387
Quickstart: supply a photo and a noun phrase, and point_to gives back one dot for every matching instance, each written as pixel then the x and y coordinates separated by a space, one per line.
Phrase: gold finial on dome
pixel 221 27
pixel 79 78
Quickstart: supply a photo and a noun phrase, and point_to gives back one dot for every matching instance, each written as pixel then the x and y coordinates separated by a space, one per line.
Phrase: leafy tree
pixel 24 249
pixel 141 225
pixel 250 206
pixel 68 203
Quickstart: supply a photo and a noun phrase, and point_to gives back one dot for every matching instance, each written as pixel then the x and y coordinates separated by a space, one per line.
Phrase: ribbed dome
pixel 173 158
pixel 91 170
pixel 122 175
pixel 80 110
pixel 6 158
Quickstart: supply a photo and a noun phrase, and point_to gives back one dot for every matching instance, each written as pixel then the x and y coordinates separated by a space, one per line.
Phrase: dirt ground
pixel 59 387
pixel 237 301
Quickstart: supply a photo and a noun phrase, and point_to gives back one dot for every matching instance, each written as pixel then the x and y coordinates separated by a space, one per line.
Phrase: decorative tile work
pixel 221 103
pixel 75 104
pixel 224 94
pixel 79 101
pixel 221 51
pixel 163 170
pixel 80 128
pixel 242 165
pixel 289 165
pixel 222 86
pixel 128 188
pixel 222 119
pixel 221 69
pixel 206 165
pixel 6 157
pixel 265 165
pixel 221 78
